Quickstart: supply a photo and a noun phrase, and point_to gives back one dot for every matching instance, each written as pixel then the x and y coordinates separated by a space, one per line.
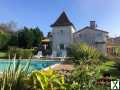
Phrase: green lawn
pixel 3 54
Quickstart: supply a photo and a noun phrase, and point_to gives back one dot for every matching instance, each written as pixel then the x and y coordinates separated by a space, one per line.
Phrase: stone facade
pixel 62 38
pixel 93 37
pixel 64 34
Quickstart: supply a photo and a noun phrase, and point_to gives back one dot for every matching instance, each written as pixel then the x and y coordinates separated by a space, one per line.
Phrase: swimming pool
pixel 34 64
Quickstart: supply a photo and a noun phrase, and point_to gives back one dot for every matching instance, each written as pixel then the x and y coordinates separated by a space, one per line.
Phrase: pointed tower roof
pixel 62 21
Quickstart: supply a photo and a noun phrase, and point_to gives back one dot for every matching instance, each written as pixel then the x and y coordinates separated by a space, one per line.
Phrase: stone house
pixel 64 33
pixel 92 36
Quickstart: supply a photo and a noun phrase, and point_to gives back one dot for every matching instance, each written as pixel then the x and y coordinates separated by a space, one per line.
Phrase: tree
pixel 9 27
pixel 29 37
pixel 4 39
pixel 8 36
pixel 13 40
pixel 38 36
pixel 25 38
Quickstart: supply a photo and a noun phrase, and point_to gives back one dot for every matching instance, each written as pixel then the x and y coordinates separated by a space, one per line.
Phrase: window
pixel 98 33
pixel 80 35
pixel 61 31
pixel 61 46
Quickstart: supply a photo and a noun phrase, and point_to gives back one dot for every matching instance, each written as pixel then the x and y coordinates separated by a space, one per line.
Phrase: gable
pixel 62 21
pixel 85 29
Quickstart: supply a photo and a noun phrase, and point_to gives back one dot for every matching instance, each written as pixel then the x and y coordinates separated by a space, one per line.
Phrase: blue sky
pixel 43 13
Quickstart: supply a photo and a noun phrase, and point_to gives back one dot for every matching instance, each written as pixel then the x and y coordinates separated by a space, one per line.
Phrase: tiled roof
pixel 46 40
pixel 87 27
pixel 62 21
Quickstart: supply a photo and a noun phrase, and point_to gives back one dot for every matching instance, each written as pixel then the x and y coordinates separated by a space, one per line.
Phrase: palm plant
pixel 111 67
pixel 82 52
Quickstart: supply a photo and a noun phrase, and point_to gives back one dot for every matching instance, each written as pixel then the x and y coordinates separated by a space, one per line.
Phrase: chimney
pixel 93 24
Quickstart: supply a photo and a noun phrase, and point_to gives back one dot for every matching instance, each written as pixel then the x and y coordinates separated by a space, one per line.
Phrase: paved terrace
pixel 63 68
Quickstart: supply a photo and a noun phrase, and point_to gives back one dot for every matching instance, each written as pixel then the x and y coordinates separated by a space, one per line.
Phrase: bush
pixel 82 52
pixel 29 37
pixel 46 80
pixel 117 51
pixel 14 78
pixel 3 54
pixel 4 39
pixel 82 78
pixel 21 53
pixel 85 75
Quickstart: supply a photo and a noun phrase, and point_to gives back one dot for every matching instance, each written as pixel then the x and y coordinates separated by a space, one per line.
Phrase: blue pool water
pixel 34 64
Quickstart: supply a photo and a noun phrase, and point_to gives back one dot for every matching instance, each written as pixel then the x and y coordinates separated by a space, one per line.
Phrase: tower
pixel 62 34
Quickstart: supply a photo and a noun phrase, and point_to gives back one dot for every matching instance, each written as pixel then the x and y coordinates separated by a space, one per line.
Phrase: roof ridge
pixel 62 20
pixel 91 29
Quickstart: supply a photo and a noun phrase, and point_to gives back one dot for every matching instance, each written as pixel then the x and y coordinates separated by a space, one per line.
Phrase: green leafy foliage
pixel 29 37
pixel 47 80
pixel 21 53
pixel 24 38
pixel 4 39
pixel 13 40
pixel 3 54
pixel 82 52
pixel 116 51
pixel 86 75
pixel 14 78
pixel 83 77
pixel 111 67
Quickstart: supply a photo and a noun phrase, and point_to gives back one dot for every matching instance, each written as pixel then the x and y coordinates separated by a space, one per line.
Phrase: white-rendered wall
pixel 65 38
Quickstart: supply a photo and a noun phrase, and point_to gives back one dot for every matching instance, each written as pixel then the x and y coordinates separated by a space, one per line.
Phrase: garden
pixel 90 66
pixel 92 70
pixel 23 42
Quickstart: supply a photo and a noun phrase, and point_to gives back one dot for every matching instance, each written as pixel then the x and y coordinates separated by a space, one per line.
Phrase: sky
pixel 43 13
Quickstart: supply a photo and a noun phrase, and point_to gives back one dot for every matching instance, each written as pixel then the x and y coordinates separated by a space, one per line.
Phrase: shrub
pixel 82 78
pixel 14 78
pixel 46 80
pixel 82 52
pixel 85 76
pixel 117 51
pixel 112 67
pixel 3 54
pixel 4 39
pixel 21 53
